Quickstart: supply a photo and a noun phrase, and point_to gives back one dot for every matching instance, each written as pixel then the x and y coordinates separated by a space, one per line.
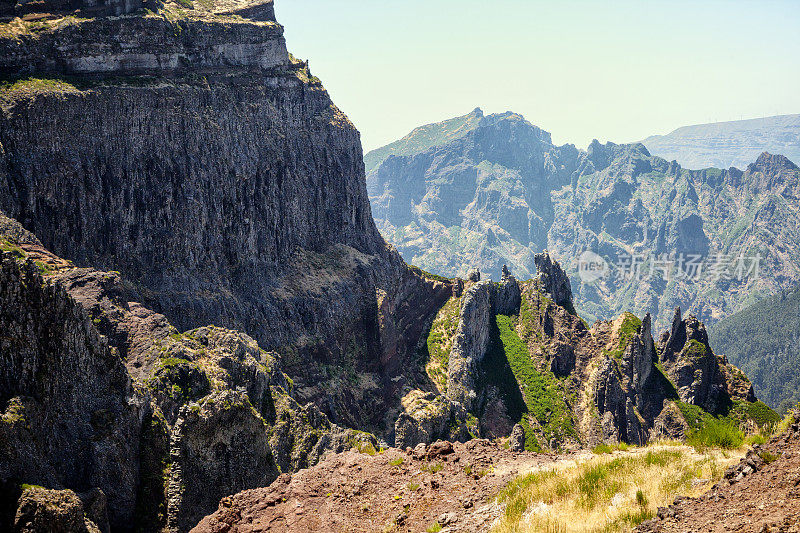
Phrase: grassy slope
pixel 535 394
pixel 608 492
pixel 440 341
pixel 424 138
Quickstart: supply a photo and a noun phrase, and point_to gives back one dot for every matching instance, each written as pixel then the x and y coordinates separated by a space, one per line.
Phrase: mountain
pixel 425 137
pixel 729 144
pixel 511 357
pixel 764 341
pixel 195 300
pixel 711 241
pixel 194 295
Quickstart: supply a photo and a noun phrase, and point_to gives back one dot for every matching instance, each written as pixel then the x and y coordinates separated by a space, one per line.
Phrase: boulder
pixel 516 442
pixel 42 510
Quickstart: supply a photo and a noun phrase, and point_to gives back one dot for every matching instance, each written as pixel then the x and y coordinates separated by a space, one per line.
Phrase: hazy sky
pixel 617 71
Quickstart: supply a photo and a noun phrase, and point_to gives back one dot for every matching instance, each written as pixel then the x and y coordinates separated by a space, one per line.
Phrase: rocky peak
pixel 700 377
pixel 771 164
pixel 554 280
pixel 470 343
pixel 641 356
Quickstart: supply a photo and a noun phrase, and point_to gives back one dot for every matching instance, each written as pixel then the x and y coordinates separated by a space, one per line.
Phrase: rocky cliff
pixel 162 424
pixel 188 151
pixel 535 370
pixel 484 191
pixel 163 171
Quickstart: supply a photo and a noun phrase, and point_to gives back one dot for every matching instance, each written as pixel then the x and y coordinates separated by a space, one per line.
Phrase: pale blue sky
pixel 617 71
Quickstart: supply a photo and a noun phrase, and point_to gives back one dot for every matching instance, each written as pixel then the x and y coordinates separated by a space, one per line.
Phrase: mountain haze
pixel 729 144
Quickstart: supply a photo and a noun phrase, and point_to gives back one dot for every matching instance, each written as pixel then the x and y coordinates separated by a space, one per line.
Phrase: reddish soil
pixel 355 492
pixel 755 496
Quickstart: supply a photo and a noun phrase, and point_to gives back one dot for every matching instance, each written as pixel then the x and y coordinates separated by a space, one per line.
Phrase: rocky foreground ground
pixel 761 494
pixel 393 491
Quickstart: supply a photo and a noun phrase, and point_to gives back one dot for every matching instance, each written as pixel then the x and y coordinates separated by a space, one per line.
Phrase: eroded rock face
pixel 54 511
pixel 218 448
pixel 471 341
pixel 554 280
pixel 261 224
pixel 516 442
pixel 507 295
pixel 697 372
pixel 71 417
pixel 145 45
pixel 427 418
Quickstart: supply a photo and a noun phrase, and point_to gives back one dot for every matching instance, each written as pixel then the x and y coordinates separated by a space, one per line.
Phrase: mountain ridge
pixel 502 191
pixel 729 144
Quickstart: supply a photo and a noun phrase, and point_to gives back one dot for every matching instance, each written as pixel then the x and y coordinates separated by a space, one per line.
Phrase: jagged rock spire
pixel 553 279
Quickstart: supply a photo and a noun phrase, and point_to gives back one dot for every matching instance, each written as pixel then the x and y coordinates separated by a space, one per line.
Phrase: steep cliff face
pixel 170 170
pixel 187 150
pixel 102 395
pixel 70 415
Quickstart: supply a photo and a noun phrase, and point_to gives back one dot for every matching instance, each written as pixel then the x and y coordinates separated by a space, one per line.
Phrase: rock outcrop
pixel 630 393
pixel 701 377
pixel 57 511
pixel 70 414
pixel 507 295
pixel 554 280
pixel 217 447
pixel 471 341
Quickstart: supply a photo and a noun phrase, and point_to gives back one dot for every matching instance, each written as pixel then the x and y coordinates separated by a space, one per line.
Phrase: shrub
pixel 601 449
pixel 397 462
pixel 768 457
pixel 433 467
pixel 716 433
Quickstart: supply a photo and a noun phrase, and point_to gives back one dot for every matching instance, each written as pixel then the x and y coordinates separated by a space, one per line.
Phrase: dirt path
pixel 391 491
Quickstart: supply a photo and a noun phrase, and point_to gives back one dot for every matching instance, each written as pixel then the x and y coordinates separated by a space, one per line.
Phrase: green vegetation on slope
pixel 630 327
pixel 764 341
pixel 428 275
pixel 424 138
pixel 436 351
pixel 527 391
pixel 724 431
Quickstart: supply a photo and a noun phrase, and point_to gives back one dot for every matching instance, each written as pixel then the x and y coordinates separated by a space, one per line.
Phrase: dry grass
pixel 609 492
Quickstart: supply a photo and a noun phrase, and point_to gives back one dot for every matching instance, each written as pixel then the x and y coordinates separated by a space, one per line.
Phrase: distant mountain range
pixel 483 191
pixel 764 341
pixel 729 144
